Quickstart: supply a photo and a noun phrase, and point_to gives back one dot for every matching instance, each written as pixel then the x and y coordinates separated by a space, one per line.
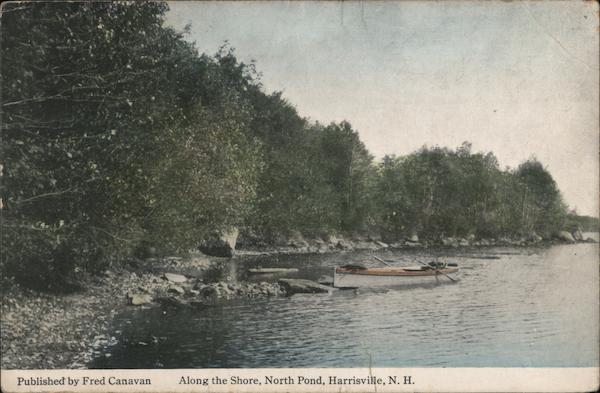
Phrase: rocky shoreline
pixel 42 331
pixel 297 244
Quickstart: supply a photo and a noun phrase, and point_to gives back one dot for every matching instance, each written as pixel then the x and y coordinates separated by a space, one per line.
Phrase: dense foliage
pixel 440 192
pixel 117 135
pixel 106 141
pixel 584 223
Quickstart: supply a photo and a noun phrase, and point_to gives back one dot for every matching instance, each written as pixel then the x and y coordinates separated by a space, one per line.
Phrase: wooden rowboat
pixel 356 276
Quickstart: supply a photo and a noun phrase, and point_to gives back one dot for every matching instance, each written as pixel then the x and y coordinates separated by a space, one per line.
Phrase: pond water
pixel 525 307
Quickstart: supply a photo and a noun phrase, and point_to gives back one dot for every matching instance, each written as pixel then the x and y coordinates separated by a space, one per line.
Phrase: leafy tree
pixel 440 192
pixel 542 209
pixel 348 168
pixel 100 103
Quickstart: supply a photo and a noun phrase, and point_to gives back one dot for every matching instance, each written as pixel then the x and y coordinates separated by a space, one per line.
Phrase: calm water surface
pixel 524 308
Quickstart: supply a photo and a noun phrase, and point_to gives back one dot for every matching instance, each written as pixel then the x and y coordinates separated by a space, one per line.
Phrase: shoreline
pixel 67 331
pixel 53 331
pixel 301 246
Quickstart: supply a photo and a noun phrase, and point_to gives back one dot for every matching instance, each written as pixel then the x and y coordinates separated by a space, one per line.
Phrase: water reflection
pixel 527 307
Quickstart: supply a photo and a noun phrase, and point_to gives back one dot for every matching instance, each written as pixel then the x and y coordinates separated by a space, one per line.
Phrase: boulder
pixel 534 237
pixel 210 291
pixel 319 245
pixel 176 278
pixel 449 242
pixel 463 243
pixel 137 299
pixel 342 244
pixel 381 244
pixel 176 290
pixel 297 240
pixel 365 245
pixel 323 248
pixel 292 286
pixel 577 235
pixel 325 280
pixel 590 240
pixel 566 236
pixel 413 238
pixel 412 244
pixel 332 240
pixel 220 244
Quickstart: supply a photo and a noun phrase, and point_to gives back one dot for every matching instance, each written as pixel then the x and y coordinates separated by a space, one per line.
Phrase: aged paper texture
pixel 302 196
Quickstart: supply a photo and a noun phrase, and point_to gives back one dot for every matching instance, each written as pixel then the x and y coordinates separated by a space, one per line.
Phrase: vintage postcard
pixel 299 196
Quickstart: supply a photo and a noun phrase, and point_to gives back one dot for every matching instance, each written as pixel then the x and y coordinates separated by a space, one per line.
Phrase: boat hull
pixel 393 277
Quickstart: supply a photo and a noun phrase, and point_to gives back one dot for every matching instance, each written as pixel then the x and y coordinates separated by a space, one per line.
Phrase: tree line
pixel 117 135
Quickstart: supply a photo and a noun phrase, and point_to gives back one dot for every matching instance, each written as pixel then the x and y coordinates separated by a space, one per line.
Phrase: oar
pixel 382 261
pixel 422 263
pixel 436 270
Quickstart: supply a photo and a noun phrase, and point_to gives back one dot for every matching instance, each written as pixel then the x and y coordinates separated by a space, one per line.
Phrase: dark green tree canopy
pixel 117 134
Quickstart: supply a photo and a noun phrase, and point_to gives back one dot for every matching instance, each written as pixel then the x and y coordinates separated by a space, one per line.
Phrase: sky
pixel 519 79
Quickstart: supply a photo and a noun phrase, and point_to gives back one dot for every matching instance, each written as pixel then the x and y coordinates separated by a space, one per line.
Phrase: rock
pixel 381 244
pixel 137 299
pixel 221 244
pixel 365 245
pixel 566 236
pixel 272 291
pixel 323 249
pixel 577 235
pixel 590 240
pixel 343 244
pixel 292 286
pixel 224 289
pixel 210 291
pixel 450 242
pixel 325 280
pixel 177 278
pixel 297 240
pixel 413 244
pixel 176 289
pixel 535 238
pixel 414 238
pixel 463 243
